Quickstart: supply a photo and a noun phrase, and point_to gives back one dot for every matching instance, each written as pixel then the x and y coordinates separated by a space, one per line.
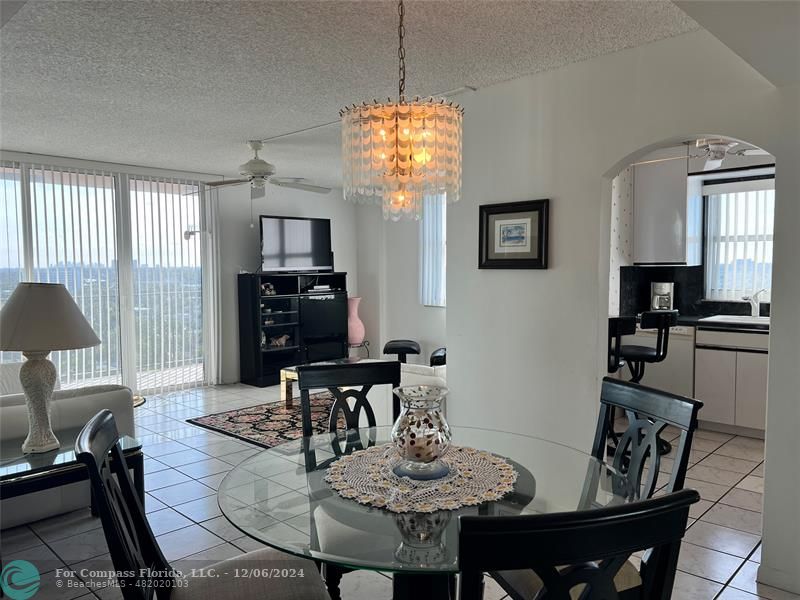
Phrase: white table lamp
pixel 37 319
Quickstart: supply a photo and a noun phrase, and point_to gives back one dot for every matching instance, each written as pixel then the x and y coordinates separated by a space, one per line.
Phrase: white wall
pixel 525 348
pixel 388 260
pixel 240 247
pixel 406 318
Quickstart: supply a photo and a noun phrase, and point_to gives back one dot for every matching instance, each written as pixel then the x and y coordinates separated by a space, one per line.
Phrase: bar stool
pixel 637 357
pixel 401 348
pixel 438 357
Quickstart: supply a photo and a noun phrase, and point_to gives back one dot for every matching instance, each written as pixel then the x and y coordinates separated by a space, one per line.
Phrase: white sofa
pixel 68 409
pixel 423 375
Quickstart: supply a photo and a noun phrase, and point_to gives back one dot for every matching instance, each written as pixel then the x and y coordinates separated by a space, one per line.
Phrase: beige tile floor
pixel 185 464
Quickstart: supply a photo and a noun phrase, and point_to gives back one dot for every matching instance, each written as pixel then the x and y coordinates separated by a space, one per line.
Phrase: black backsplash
pixel 634 288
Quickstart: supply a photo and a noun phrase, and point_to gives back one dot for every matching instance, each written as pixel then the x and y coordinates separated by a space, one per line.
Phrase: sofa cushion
pixel 416 369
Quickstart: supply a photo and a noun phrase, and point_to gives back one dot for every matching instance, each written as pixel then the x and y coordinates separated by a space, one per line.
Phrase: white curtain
pixel 739 230
pixel 433 251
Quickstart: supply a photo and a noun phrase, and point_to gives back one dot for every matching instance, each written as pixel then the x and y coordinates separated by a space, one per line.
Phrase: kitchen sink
pixel 736 319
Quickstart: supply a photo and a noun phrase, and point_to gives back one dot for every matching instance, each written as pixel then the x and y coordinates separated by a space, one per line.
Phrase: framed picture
pixel 513 235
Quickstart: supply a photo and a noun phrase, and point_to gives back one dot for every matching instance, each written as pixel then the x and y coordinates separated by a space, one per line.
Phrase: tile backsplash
pixel 634 289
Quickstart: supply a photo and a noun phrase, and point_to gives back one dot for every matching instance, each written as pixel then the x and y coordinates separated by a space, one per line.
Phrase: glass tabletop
pixel 279 497
pixel 13 463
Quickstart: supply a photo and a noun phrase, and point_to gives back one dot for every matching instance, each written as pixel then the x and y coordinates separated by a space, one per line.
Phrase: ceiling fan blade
pixel 658 160
pixel 753 152
pixel 226 182
pixel 296 185
pixel 215 185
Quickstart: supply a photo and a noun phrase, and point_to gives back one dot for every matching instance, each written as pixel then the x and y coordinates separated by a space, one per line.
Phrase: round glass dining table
pixel 279 497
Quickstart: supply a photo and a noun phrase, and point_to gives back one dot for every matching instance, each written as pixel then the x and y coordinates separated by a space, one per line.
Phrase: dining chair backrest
pixel 649 412
pixel 346 381
pixel 585 548
pixel 135 554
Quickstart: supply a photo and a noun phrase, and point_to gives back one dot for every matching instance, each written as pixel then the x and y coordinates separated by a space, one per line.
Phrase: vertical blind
pixel 167 279
pixel 739 232
pixel 133 252
pixel 433 251
pixel 73 226
pixel 12 269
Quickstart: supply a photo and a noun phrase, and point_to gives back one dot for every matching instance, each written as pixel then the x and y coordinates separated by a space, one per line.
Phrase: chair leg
pixel 333 577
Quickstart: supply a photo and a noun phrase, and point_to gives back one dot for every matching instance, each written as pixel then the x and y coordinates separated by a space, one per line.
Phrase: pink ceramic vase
pixel 355 328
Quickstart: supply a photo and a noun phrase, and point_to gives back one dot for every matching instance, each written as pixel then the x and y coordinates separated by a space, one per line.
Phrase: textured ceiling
pixel 182 85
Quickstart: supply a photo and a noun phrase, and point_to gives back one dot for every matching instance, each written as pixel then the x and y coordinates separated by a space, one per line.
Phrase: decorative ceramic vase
pixel 422 534
pixel 355 328
pixel 421 433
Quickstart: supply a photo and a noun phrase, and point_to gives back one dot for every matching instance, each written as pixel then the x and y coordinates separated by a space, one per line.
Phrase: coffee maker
pixel 662 295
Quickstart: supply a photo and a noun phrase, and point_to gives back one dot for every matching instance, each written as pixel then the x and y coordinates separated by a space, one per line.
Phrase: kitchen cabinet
pixel 731 377
pixel 667 211
pixel 751 389
pixel 715 384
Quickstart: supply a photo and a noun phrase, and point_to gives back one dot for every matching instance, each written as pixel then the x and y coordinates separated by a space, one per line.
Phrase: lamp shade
pixel 41 317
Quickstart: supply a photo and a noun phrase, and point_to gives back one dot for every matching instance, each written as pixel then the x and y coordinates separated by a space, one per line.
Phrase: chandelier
pixel 399 152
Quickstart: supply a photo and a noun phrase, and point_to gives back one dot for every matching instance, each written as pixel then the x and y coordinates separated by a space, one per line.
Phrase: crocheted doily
pixel 475 476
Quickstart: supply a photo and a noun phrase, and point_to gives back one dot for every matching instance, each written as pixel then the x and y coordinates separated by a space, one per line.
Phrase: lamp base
pixel 38 378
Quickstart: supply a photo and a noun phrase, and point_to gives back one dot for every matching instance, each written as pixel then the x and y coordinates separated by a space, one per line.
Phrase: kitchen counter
pixel 694 321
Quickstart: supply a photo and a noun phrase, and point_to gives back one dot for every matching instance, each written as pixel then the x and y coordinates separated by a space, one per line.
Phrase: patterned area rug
pixel 269 425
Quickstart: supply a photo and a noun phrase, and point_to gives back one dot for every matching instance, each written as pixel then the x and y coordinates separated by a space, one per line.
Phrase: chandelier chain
pixel 401 51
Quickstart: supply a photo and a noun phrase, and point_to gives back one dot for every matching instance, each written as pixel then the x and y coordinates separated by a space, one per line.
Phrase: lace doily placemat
pixel 475 476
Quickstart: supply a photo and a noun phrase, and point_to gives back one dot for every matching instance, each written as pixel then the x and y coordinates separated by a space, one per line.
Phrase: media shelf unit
pixel 284 321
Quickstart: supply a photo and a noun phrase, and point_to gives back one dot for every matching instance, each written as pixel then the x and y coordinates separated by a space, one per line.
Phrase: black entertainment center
pixel 295 310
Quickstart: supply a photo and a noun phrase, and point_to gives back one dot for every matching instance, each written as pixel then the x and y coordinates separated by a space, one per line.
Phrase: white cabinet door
pixel 659 209
pixel 751 389
pixel 715 384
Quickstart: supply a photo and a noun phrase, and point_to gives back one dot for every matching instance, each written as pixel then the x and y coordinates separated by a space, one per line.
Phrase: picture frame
pixel 513 235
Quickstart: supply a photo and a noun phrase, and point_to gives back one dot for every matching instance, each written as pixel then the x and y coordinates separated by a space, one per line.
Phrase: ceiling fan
pixel 714 151
pixel 258 172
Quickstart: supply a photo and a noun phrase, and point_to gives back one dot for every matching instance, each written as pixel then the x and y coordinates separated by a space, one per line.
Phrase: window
pixel 133 252
pixel 739 228
pixel 433 252
pixel 167 283
pixel 73 239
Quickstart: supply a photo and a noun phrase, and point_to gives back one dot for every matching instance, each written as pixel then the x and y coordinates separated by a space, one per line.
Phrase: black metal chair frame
pixel 579 548
pixel 617 327
pixel 649 412
pixel 660 321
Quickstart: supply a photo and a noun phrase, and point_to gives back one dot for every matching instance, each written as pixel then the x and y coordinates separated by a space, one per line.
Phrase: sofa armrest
pixel 70 408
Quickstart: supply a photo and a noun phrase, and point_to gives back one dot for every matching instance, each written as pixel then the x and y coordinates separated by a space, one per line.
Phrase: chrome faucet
pixel 755 309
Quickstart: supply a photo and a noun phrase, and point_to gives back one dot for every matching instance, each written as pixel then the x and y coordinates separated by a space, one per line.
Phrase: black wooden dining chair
pixel 346 381
pixel 649 412
pixel 584 554
pixel 143 571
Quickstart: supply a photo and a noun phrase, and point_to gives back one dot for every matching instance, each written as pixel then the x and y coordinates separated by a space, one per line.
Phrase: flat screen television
pixel 295 244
